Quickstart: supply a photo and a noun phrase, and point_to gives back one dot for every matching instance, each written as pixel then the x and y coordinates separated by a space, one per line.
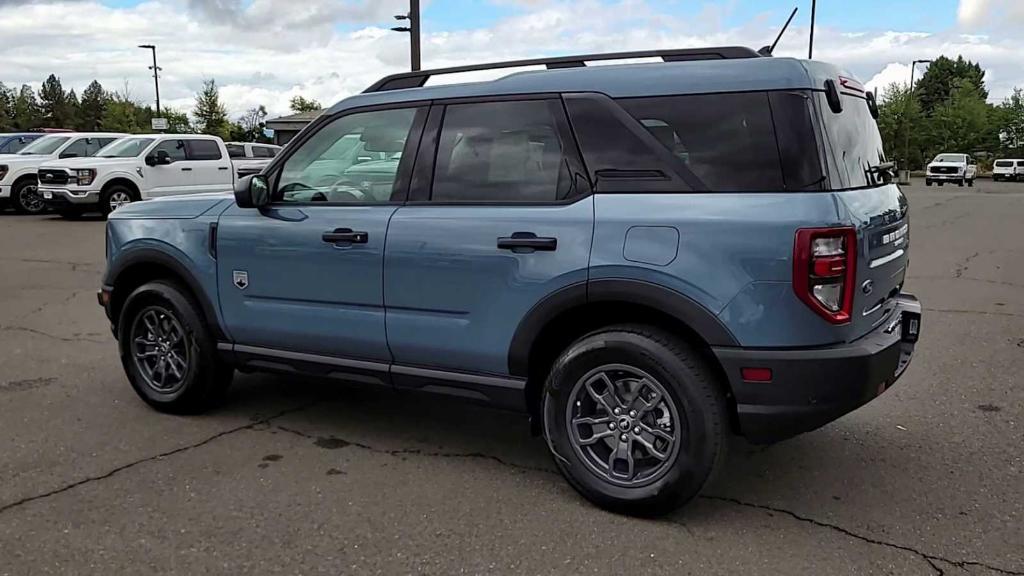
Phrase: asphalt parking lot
pixel 298 477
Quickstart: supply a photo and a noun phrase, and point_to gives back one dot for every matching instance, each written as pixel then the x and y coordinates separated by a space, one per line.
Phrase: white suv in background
pixel 18 184
pixel 137 168
pixel 953 168
pixel 1008 169
pixel 250 158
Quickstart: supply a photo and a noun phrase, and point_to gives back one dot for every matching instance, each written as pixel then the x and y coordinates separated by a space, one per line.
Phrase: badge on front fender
pixel 240 278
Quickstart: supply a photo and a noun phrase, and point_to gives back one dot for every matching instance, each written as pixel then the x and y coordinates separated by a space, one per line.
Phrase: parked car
pixel 13 143
pixel 953 168
pixel 1008 169
pixel 251 158
pixel 136 168
pixel 18 180
pixel 643 258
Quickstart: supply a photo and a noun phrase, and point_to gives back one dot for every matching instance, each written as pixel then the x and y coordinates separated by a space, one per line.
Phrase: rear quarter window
pixel 203 150
pixel 852 142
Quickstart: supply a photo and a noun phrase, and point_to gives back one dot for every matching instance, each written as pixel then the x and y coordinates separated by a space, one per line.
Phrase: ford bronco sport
pixel 642 257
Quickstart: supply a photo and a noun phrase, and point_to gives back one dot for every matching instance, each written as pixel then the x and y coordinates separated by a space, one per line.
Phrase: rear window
pixel 1020 163
pixel 728 141
pixel 1005 163
pixel 853 142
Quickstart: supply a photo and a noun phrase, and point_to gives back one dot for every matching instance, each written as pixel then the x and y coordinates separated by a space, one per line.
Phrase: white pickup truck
pixel 953 168
pixel 251 158
pixel 18 182
pixel 136 168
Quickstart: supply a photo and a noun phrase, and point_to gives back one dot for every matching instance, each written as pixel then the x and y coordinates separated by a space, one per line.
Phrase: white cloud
pixel 265 51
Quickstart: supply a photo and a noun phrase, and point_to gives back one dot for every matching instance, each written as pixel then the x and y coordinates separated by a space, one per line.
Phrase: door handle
pixel 345 235
pixel 526 242
pixel 221 168
pixel 186 169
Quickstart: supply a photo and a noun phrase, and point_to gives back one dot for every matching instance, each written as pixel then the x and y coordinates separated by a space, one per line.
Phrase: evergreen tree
pixel 71 107
pixel 92 107
pixel 943 76
pixel 26 109
pixel 52 103
pixel 119 115
pixel 211 116
pixel 6 108
pixel 300 104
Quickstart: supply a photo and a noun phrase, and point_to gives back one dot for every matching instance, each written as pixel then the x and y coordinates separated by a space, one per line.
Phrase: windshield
pixel 949 158
pixel 45 145
pixel 125 148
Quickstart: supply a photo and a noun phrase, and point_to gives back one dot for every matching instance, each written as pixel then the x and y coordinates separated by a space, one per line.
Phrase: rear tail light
pixel 825 269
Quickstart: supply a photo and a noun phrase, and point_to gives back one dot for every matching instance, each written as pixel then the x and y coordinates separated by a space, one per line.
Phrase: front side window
pixel 354 158
pixel 501 152
pixel 174 148
pixel 202 150
pixel 77 149
pixel 727 140
pixel 44 145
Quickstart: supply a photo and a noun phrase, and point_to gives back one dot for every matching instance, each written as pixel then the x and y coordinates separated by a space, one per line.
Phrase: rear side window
pixel 203 150
pixel 726 140
pixel 501 152
pixel 236 151
pixel 261 152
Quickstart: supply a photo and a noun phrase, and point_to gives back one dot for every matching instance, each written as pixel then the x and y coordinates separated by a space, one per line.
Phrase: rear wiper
pixel 884 170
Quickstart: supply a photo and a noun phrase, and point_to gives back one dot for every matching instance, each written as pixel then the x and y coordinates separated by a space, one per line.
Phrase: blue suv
pixel 645 258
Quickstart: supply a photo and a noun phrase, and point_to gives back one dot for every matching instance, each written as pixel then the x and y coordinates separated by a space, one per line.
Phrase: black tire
pixel 927 182
pixel 205 377
pixel 941 183
pixel 961 183
pixel 117 191
pixel 970 183
pixel 25 197
pixel 699 428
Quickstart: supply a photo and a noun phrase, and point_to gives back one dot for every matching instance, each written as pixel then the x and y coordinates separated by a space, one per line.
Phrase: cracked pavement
pixel 303 477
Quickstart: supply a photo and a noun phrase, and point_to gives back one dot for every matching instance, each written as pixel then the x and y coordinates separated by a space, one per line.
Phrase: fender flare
pixel 671 302
pixel 153 256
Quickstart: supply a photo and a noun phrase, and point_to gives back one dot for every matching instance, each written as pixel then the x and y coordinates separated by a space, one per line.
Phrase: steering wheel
pixel 342 185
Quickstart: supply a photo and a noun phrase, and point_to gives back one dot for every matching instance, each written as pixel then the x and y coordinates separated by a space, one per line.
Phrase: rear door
pixel 211 169
pixel 499 218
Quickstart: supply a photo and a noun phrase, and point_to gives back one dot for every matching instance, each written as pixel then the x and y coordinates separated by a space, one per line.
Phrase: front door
pixel 508 221
pixel 168 179
pixel 305 274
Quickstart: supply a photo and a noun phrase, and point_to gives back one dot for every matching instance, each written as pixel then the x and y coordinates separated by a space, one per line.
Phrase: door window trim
pixel 421 187
pixel 405 165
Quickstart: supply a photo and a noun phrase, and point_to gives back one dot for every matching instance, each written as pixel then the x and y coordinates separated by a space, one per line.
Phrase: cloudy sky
pixel 265 51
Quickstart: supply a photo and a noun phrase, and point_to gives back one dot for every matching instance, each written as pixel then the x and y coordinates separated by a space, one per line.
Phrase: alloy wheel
pixel 30 199
pixel 624 425
pixel 118 199
pixel 160 349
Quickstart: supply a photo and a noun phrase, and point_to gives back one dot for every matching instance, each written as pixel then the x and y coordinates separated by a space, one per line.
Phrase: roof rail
pixel 418 78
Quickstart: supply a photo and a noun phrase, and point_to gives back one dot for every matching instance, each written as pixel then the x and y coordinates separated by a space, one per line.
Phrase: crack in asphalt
pixel 961 266
pixel 54 336
pixel 931 559
pixel 63 301
pixel 75 266
pixel 251 425
pixel 969 278
pixel 330 442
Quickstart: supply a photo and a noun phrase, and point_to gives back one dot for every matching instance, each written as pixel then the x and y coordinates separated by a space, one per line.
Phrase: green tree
pixel 961 123
pixel 1010 122
pixel 53 103
pixel 177 122
pixel 211 116
pixel 300 104
pixel 26 109
pixel 899 116
pixel 91 109
pixel 250 127
pixel 72 110
pixel 943 76
pixel 119 115
pixel 6 108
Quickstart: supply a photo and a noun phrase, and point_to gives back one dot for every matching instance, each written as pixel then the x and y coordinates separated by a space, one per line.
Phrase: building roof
pixel 626 80
pixel 294 120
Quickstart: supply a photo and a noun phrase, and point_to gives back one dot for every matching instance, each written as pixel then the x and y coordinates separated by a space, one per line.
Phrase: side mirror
pixel 163 158
pixel 252 191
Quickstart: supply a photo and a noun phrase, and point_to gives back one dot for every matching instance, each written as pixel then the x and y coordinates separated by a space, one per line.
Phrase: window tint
pixel 726 140
pixel 175 148
pixel 792 114
pixel 1020 163
pixel 203 150
pixel 273 151
pixel 77 149
pixel 1004 163
pixel 260 152
pixel 854 144
pixel 354 158
pixel 501 152
pixel 236 151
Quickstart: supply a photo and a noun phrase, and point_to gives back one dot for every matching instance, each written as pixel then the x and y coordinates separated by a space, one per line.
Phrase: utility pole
pixel 156 75
pixel 414 32
pixel 810 47
pixel 906 113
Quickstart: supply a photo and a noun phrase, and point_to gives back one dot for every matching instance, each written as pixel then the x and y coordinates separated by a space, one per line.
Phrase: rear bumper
pixel 812 387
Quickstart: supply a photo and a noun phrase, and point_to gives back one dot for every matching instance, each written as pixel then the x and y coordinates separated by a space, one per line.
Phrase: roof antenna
pixel 767 50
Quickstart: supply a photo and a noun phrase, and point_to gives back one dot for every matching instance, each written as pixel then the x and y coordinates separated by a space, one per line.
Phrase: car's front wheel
pixel 115 197
pixel 635 419
pixel 167 350
pixel 25 198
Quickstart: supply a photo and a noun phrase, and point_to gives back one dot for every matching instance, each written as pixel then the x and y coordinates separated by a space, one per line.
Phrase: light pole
pixel 906 113
pixel 414 31
pixel 810 47
pixel 156 75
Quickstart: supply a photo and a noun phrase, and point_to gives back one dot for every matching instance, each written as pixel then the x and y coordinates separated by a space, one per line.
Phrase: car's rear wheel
pixel 927 182
pixel 635 420
pixel 115 197
pixel 25 198
pixel 970 183
pixel 167 350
